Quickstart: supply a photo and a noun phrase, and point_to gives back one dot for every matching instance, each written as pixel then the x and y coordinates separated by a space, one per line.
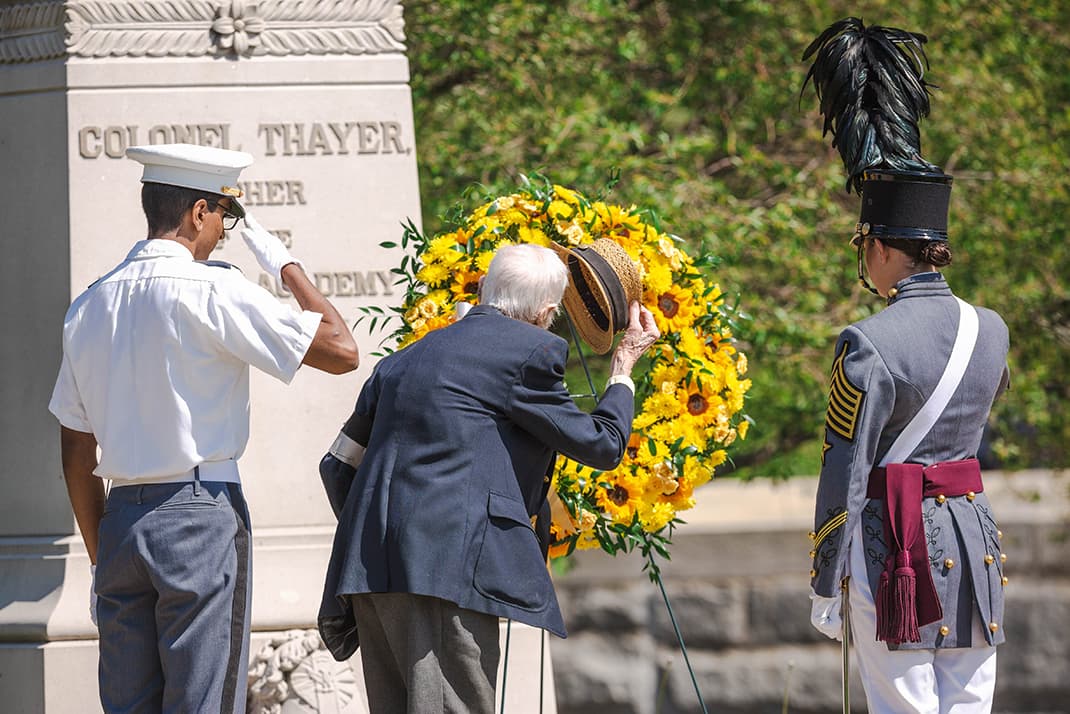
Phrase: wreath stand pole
pixel 505 662
pixel 654 570
pixel 656 577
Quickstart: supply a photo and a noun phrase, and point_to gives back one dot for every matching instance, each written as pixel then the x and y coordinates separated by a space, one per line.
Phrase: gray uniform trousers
pixel 425 655
pixel 173 599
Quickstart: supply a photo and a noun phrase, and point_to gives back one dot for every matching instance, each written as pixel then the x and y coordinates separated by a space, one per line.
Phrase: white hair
pixel 522 280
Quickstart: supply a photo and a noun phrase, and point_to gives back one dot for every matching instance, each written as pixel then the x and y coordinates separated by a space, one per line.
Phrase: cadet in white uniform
pixel 155 371
pixel 901 515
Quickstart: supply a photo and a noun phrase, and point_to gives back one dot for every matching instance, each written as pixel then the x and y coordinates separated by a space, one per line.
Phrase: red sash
pixel 906 596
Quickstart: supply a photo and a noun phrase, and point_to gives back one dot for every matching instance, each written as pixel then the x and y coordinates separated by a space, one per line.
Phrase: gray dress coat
pixel 461 430
pixel 886 366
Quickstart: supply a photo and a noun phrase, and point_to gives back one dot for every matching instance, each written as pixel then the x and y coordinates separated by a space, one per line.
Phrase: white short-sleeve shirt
pixel 156 359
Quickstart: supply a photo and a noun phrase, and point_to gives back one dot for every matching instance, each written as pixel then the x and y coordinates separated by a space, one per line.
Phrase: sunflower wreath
pixel 690 390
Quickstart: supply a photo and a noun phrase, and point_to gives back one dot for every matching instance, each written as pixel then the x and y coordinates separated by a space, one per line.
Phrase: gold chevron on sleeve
pixel 828 526
pixel 845 400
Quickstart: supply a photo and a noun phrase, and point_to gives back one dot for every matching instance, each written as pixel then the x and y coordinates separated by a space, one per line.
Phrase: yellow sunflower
pixel 620 498
pixel 676 310
pixel 465 285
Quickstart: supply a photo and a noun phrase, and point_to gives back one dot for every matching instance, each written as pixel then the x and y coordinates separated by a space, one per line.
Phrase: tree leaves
pixel 696 106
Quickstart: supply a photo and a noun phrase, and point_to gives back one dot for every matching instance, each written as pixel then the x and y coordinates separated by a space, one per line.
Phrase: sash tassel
pixel 906 597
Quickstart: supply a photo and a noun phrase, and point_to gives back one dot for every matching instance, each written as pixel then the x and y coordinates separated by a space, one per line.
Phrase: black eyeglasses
pixel 229 219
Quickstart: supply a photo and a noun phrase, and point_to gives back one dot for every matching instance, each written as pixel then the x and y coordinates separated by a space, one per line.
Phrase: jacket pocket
pixel 509 568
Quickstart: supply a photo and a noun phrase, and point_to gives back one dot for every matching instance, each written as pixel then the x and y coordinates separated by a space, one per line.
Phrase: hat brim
pixel 587 302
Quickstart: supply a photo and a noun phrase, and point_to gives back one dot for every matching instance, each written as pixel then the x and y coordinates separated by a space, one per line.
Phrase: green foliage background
pixel 697 103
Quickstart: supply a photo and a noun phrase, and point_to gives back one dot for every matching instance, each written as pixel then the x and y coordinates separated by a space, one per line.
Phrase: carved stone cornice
pixel 32 32
pixel 197 28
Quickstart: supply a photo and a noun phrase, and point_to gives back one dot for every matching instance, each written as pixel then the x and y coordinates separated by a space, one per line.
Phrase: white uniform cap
pixel 190 166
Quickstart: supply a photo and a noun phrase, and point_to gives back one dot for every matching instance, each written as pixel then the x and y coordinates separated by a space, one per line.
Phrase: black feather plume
pixel 869 82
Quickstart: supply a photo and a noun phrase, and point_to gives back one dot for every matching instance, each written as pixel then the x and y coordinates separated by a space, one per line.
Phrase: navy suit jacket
pixel 461 429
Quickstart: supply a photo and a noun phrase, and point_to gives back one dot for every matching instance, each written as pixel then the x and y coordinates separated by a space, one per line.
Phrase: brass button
pixel 989 559
pixel 949 563
pixel 1003 557
pixel 812 535
pixel 945 630
pixel 1005 580
pixel 970 495
pixel 892 292
pixel 941 498
pixel 999 534
pixel 813 573
pixel 813 553
pixel 865 229
pixel 994 626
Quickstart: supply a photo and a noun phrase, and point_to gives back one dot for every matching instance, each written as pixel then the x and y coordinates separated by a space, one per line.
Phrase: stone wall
pixel 738 585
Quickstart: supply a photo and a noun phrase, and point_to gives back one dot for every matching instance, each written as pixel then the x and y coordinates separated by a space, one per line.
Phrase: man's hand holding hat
pixel 268 249
pixel 642 332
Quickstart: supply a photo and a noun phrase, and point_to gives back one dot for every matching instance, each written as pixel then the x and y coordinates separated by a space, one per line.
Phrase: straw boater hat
pixel 602 281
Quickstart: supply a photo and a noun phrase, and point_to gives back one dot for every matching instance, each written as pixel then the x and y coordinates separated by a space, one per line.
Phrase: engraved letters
pixel 112 141
pixel 330 138
pixel 347 140
pixel 354 283
pixel 273 193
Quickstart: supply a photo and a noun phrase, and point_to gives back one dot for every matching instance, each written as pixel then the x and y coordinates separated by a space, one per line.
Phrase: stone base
pixel 45 678
pixel 316 683
pixel 60 677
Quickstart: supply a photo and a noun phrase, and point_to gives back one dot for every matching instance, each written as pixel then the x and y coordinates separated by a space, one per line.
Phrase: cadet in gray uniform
pixel 155 371
pixel 902 520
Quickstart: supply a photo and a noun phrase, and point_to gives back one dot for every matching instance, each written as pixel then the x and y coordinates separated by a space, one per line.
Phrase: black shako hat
pixel 904 204
pixel 869 81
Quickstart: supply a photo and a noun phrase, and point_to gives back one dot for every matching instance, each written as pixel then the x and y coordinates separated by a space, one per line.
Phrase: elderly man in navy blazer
pixel 437 479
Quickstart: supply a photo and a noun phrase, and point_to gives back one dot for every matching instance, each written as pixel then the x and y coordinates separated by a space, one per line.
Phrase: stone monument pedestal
pixel 318 92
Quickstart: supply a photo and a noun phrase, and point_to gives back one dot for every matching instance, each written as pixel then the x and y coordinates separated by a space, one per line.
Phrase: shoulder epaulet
pixel 219 264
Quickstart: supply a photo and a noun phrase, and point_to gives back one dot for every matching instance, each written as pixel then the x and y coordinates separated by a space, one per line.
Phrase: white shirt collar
pixel 158 248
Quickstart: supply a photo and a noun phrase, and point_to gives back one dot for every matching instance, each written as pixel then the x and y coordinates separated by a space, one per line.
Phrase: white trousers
pixel 936 681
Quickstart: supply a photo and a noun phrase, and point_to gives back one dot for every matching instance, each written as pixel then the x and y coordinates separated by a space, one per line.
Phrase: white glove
pixel 93 593
pixel 268 249
pixel 825 615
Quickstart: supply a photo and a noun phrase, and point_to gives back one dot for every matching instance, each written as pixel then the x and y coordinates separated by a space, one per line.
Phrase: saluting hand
pixel 268 249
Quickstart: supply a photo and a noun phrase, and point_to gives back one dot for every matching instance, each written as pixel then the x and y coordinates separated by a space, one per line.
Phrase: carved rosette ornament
pixel 237 26
pixel 196 28
pixel 294 674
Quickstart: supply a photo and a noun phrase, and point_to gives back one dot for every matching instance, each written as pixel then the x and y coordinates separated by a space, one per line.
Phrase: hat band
pixel 907 233
pixel 598 315
pixel 614 290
